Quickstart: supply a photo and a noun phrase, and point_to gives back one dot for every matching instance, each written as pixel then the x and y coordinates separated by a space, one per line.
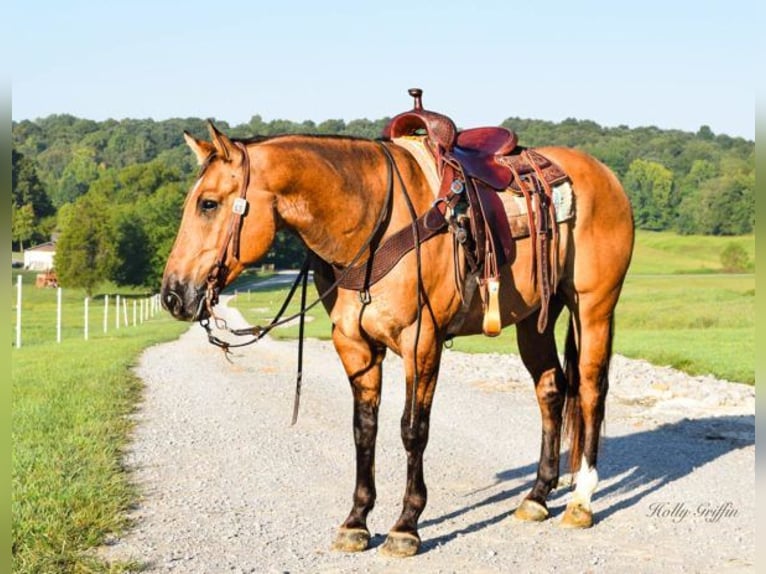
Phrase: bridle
pixel 217 275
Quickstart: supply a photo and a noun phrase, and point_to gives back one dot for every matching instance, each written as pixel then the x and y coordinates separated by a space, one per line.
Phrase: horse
pixel 338 195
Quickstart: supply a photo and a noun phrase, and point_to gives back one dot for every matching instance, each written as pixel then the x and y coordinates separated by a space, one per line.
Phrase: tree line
pixel 112 190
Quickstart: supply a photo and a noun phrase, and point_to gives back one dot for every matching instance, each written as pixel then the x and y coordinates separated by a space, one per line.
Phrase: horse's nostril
pixel 172 301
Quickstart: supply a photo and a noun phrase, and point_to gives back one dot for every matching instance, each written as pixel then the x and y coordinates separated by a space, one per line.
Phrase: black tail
pixel 573 421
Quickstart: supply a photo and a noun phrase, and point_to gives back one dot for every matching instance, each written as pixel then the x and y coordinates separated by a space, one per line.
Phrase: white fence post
pixel 106 312
pixel 134 312
pixel 141 311
pixel 18 311
pixel 125 312
pixel 58 314
pixel 85 329
pixel 117 312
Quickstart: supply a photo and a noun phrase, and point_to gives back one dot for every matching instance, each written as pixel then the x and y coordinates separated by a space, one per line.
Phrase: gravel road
pixel 229 486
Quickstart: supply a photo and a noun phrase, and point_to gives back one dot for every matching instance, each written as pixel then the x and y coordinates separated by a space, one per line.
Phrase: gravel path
pixel 229 486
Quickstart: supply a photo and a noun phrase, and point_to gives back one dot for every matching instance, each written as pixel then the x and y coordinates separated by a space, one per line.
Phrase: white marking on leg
pixel 587 480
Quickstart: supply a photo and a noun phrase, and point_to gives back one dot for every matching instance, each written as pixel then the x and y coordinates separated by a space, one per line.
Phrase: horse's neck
pixel 330 192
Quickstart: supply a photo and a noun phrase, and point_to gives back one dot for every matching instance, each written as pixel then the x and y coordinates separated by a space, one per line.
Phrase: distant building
pixel 40 257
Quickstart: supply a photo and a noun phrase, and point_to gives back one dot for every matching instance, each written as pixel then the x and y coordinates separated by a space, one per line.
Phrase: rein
pixel 218 273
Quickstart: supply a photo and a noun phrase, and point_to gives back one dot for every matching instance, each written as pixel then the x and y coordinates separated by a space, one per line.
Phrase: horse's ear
pixel 201 149
pixel 222 143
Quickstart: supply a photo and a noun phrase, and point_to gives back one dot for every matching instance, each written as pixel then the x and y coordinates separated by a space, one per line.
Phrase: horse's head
pixel 228 222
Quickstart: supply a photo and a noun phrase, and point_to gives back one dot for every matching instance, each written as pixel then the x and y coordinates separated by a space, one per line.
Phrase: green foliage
pixel 734 258
pixel 30 205
pixel 22 223
pixel 710 185
pixel 650 188
pixel 85 253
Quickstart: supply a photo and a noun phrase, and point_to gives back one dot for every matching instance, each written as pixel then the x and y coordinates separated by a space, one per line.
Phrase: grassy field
pixel 70 402
pixel 39 311
pixel 677 309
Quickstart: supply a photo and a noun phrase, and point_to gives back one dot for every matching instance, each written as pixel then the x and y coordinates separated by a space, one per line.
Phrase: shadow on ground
pixel 642 462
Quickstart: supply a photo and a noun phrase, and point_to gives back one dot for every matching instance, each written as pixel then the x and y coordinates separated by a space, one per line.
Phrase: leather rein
pixel 217 275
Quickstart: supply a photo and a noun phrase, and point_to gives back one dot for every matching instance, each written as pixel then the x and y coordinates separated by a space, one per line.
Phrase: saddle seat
pixel 477 150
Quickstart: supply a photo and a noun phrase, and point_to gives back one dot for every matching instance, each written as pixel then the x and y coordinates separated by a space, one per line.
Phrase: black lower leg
pixel 415 439
pixel 550 394
pixel 365 433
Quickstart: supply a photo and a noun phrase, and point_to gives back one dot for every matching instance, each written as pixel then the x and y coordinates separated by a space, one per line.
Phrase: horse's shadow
pixel 640 463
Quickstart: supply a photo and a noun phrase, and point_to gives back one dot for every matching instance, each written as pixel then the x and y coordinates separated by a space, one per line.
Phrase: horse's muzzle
pixel 183 300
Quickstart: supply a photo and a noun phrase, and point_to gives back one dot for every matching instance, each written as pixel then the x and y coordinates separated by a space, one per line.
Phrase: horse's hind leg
pixel 538 352
pixel 362 363
pixel 588 357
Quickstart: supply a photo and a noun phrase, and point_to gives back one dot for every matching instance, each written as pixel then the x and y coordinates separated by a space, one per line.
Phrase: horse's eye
pixel 208 205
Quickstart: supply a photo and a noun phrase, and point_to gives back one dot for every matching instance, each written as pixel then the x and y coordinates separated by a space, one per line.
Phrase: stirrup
pixel 491 326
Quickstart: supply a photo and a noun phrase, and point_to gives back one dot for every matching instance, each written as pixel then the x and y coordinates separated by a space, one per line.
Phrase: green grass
pixel 39 307
pixel 665 252
pixel 70 402
pixel 677 309
pixel 701 324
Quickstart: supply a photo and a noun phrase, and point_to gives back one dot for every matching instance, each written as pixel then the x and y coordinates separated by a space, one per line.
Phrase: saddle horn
pixel 416 93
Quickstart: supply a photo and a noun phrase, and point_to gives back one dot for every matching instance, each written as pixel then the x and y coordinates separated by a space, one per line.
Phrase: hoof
pixel 400 545
pixel 576 516
pixel 530 511
pixel 351 540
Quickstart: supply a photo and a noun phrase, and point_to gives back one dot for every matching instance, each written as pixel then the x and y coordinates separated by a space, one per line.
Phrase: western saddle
pixel 474 165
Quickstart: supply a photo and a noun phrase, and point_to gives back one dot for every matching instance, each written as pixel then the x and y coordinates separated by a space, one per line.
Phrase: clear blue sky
pixel 667 63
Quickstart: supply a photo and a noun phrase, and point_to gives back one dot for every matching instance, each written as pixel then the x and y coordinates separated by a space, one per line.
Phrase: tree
pixel 650 187
pixel 133 258
pixel 690 204
pixel 22 224
pixel 85 252
pixel 705 133
pixel 30 204
pixel 727 205
pixel 145 233
pixel 81 171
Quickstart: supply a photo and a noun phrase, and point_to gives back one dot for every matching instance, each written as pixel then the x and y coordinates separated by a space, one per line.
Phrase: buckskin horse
pixel 349 200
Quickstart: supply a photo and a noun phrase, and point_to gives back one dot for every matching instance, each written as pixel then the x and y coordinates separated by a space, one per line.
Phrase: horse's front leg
pixel 362 363
pixel 403 539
